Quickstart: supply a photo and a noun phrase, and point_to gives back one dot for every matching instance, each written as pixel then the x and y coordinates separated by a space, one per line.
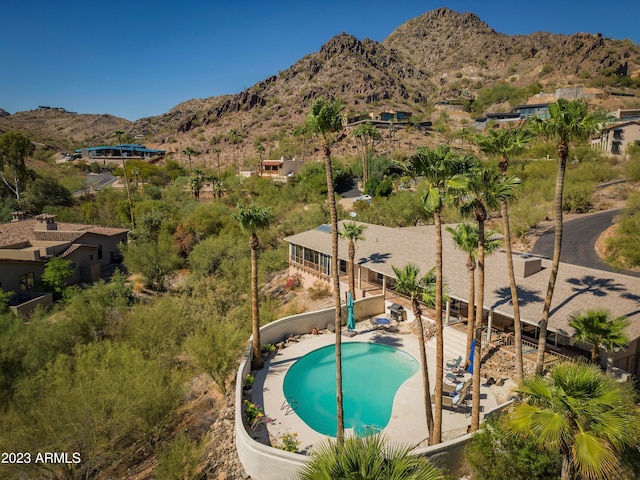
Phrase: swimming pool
pixel 371 376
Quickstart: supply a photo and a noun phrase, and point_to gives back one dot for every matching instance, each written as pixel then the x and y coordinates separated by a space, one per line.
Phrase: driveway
pixel 579 238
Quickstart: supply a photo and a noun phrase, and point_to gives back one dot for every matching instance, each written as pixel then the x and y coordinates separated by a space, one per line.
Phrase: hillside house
pixel 615 139
pixel 27 244
pixel 577 288
pixel 130 151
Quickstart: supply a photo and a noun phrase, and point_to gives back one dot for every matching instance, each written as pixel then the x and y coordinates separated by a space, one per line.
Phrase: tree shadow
pixel 598 287
pixel 635 298
pixel 525 296
pixel 375 258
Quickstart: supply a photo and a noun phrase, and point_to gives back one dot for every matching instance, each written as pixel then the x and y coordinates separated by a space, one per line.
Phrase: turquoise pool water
pixel 371 376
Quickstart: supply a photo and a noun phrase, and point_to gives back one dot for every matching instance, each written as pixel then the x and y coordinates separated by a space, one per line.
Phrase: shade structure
pixel 351 317
pixel 473 347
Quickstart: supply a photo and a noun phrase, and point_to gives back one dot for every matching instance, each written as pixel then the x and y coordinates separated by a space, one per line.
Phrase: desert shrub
pixel 214 348
pixel 523 216
pixel 494 455
pixel 632 168
pixel 577 197
pixel 319 290
pixel 179 460
pixel 622 248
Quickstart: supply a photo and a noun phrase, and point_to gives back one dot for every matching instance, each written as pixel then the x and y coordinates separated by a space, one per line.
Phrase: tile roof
pixel 577 288
pixel 15 233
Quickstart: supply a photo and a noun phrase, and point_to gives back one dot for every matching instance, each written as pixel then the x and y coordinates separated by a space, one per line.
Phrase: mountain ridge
pixel 441 55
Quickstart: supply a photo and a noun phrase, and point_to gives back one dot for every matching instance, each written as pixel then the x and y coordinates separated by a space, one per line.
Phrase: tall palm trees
pixel 120 134
pixel 325 119
pixel 352 231
pixel 189 152
pixel 485 190
pixel 505 142
pixel 409 282
pixel 253 218
pixel 567 121
pixel 443 172
pixel 588 416
pixel 602 331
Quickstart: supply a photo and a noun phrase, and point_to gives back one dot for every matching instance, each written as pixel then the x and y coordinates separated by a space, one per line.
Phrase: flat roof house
pixel 27 244
pixel 577 288
pixel 130 151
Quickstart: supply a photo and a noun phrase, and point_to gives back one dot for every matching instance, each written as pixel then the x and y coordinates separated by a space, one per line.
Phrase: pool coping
pixel 265 462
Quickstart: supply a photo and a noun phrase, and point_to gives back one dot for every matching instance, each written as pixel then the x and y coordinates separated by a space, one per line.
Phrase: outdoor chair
pixel 454 364
pixel 452 390
pixel 454 403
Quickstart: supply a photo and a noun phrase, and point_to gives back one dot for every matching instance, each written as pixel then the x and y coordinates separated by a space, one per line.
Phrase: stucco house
pixel 27 244
pixel 577 288
pixel 615 139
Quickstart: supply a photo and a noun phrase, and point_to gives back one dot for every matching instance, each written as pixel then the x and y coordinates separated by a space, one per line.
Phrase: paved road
pixel 350 189
pixel 578 241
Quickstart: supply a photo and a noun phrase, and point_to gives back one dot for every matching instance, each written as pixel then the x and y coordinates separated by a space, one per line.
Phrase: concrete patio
pixel 407 424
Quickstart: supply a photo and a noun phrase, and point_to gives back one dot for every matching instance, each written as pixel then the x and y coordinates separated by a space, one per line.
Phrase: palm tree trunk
pixel 566 472
pixel 256 362
pixel 335 274
pixel 514 293
pixel 471 306
pixel 477 351
pixel 563 153
pixel 437 434
pixel 425 372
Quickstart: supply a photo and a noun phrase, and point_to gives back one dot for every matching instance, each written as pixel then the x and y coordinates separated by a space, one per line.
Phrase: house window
pixel 343 266
pixel 27 281
pixel 99 252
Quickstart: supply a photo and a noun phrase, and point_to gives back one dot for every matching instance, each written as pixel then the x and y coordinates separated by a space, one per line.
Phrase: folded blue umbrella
pixel 473 347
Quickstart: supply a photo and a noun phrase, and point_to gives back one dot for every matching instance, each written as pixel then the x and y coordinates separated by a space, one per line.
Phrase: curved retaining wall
pixel 263 462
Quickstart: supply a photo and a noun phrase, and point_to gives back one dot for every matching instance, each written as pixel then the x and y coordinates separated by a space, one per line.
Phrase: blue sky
pixel 139 58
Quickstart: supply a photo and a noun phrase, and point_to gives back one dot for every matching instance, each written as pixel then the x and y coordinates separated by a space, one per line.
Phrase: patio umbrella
pixel 473 347
pixel 351 318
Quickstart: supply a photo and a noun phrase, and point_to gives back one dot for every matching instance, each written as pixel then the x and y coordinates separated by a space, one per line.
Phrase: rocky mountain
pixel 441 55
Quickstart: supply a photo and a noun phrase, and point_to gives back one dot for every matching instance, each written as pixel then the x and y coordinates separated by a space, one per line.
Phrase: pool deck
pixel 408 422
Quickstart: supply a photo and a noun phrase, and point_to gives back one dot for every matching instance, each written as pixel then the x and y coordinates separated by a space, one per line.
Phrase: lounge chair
pixel 454 364
pixel 451 390
pixel 454 403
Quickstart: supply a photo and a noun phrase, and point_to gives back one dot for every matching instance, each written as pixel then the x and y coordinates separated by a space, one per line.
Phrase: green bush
pixel 179 460
pixel 577 196
pixel 494 455
pixel 632 168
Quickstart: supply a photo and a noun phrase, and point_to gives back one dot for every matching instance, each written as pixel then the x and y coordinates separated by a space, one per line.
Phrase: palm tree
pixel 119 134
pixel 587 416
pixel 465 237
pixel 567 121
pixel 217 151
pixel 443 171
pixel 409 283
pixel 353 232
pixel 196 182
pixel 326 119
pixel 253 218
pixel 188 152
pixel 136 173
pixel 485 190
pixel 366 133
pixel 505 142
pixel 235 138
pixel 596 327
pixel 367 458
pixel 260 149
